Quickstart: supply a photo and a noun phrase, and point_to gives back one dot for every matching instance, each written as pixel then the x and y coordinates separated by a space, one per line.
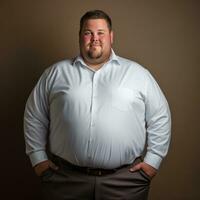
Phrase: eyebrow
pixel 97 30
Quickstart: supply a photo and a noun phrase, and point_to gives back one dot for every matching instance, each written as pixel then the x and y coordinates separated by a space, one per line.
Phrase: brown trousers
pixel 69 184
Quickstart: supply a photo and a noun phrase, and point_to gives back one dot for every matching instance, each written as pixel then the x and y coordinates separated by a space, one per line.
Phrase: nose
pixel 95 37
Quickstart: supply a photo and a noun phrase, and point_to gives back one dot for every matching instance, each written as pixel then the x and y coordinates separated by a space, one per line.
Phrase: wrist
pixel 41 167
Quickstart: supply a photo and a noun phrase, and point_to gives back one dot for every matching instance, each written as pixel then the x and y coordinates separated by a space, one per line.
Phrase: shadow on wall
pixel 25 56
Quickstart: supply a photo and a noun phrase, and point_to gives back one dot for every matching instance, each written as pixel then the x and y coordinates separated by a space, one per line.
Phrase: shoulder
pixel 136 71
pixel 133 66
pixel 56 71
pixel 60 65
pixel 58 68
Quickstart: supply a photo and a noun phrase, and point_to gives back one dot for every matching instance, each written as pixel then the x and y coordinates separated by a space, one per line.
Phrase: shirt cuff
pixel 153 160
pixel 38 157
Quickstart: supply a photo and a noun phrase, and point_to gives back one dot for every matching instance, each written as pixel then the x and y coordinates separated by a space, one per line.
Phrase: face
pixel 95 42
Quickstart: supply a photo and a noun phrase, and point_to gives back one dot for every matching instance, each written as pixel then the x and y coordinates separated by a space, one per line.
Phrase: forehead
pixel 95 24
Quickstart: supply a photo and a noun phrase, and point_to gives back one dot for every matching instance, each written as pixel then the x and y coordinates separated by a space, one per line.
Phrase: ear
pixel 111 37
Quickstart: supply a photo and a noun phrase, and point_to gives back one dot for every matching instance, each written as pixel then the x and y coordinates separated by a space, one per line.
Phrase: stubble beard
pixel 94 54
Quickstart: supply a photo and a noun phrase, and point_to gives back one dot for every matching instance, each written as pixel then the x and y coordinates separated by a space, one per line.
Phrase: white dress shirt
pixel 97 118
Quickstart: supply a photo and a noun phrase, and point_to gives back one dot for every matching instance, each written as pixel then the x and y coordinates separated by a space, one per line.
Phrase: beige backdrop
pixel 161 35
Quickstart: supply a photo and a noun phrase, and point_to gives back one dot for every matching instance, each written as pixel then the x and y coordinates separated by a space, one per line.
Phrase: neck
pixel 95 64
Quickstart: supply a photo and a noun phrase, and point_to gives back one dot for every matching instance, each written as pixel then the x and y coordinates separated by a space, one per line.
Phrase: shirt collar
pixel 79 59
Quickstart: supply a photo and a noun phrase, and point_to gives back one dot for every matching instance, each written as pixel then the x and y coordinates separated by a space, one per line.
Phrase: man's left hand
pixel 148 169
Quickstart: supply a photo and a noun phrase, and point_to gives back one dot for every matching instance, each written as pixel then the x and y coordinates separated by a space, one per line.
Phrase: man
pixel 88 119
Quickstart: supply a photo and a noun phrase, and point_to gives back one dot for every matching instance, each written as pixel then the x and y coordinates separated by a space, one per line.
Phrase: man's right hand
pixel 43 166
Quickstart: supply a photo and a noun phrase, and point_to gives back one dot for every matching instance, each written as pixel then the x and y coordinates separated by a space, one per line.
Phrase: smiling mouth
pixel 95 45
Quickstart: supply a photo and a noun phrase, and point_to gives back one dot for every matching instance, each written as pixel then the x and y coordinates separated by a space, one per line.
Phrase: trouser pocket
pixel 145 175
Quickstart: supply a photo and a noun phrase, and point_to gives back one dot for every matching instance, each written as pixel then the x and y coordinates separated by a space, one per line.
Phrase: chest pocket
pixel 122 99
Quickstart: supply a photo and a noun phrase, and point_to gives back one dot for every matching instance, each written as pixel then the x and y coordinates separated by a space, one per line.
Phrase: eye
pixel 100 33
pixel 87 33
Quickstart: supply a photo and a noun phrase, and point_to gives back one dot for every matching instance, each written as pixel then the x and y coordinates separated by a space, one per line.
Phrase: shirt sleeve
pixel 158 122
pixel 36 121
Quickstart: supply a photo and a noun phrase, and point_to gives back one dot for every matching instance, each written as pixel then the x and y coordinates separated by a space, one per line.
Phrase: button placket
pixel 93 111
pixel 94 95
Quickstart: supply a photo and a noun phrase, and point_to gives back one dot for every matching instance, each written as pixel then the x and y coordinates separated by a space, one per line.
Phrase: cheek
pixel 86 39
pixel 106 42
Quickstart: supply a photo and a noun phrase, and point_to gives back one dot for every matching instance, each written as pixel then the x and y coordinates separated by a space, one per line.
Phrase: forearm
pixel 158 137
pixel 36 122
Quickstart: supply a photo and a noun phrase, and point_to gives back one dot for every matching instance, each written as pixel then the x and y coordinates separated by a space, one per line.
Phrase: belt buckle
pixel 99 172
pixel 94 172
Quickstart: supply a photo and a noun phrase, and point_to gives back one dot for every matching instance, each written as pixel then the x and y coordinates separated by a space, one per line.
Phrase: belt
pixel 85 170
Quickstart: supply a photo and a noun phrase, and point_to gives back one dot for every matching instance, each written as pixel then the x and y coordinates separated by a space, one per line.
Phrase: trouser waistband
pixel 88 170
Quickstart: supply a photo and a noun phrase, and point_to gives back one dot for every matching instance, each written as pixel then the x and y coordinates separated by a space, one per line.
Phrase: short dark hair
pixel 95 14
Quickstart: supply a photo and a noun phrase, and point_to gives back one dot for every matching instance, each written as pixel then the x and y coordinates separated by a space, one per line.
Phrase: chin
pixel 94 55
